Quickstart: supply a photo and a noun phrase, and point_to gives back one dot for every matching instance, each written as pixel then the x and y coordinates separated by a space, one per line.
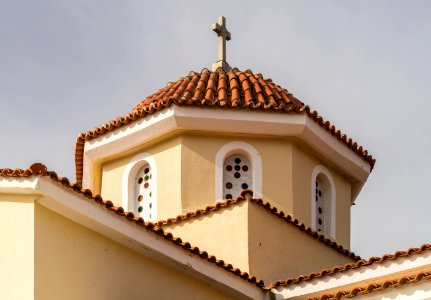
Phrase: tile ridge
pixel 247 195
pixel 375 287
pixel 350 266
pixel 41 169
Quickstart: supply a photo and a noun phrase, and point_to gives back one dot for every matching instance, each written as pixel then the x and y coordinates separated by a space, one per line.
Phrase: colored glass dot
pixel 228 196
pixel 245 168
pixel 237 160
pixel 140 180
pixel 229 185
pixel 140 208
pixel 151 205
pixel 146 185
pixel 237 175
pixel 146 178
pixel 237 167
pixel 140 198
pixel 319 221
pixel 146 170
pixel 320 210
pixel 229 168
pixel 150 194
pixel 244 186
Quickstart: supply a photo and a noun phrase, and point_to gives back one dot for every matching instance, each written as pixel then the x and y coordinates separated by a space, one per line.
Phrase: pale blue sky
pixel 68 66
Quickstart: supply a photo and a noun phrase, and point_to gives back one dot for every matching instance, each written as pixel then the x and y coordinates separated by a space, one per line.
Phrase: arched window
pixel 140 187
pixel 237 176
pixel 238 167
pixel 323 201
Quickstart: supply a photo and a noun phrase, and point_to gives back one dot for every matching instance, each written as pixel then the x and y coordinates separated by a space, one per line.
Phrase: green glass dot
pixel 146 177
pixel 150 194
pixel 140 208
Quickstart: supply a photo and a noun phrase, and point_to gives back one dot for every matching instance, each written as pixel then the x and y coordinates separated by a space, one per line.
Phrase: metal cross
pixel 223 36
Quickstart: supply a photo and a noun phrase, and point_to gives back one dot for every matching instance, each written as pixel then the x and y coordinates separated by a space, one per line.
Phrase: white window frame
pixel 321 170
pixel 128 182
pixel 238 147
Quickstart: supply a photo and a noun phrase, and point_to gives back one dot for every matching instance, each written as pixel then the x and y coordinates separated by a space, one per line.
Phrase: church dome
pixel 219 89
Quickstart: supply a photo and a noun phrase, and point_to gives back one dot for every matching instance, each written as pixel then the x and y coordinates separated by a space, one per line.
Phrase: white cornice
pixel 88 213
pixel 227 121
pixel 374 273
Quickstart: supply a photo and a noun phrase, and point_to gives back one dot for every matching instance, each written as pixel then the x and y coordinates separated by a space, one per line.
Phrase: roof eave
pixel 105 143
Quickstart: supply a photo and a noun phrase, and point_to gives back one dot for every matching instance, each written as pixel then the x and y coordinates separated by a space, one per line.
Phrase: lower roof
pixel 375 287
pixel 247 196
pixel 39 169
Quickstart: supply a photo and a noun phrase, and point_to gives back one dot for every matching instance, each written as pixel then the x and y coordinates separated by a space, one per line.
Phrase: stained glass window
pixel 320 206
pixel 237 176
pixel 144 201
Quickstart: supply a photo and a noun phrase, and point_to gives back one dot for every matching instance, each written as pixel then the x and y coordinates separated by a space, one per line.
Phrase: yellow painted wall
pixel 74 262
pixel 303 165
pixel 223 234
pixel 256 241
pixel 278 250
pixel 167 155
pixel 186 175
pixel 16 247
pixel 200 150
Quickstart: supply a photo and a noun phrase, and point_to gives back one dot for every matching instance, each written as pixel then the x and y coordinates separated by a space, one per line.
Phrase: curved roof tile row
pixel 40 169
pixel 239 90
pixel 351 266
pixel 375 287
pixel 280 214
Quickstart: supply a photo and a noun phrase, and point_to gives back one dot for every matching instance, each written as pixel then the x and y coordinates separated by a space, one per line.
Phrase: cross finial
pixel 223 36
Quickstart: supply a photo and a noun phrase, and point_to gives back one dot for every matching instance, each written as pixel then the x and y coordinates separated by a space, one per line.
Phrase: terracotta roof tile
pixel 375 287
pixel 233 90
pixel 40 169
pixel 246 196
pixel 351 266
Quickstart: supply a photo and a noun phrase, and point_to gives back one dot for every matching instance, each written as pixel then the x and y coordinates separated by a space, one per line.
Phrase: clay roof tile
pixel 234 89
pixel 41 170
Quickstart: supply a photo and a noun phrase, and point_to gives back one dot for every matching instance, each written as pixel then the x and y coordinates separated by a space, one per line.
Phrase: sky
pixel 69 66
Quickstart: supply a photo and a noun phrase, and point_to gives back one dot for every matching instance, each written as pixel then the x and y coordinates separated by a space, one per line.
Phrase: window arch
pixel 238 166
pixel 323 201
pixel 140 187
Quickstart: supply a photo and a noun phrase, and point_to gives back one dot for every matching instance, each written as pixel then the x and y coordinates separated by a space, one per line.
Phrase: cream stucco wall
pixel 16 247
pixel 278 250
pixel 186 175
pixel 167 155
pixel 303 164
pixel 223 233
pixel 74 262
pixel 200 150
pixel 254 240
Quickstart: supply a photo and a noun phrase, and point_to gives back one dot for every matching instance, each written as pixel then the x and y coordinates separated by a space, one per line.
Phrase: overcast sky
pixel 68 66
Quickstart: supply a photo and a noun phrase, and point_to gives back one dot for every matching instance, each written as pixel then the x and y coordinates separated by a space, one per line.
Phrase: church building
pixel 220 185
